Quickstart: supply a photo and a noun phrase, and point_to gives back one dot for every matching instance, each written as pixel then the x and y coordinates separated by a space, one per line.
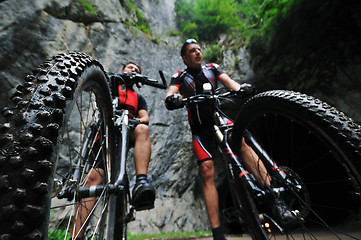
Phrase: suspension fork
pixel 244 186
pixel 235 164
pixel 122 150
pixel 122 128
pixel 266 159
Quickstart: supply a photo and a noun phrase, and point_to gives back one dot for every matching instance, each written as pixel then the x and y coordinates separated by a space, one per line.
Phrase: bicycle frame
pixel 244 189
pixel 121 124
pixel 243 183
pixel 122 150
pixel 240 180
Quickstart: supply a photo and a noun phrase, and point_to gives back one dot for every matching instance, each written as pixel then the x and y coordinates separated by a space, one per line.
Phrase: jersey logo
pixel 213 65
pixel 176 74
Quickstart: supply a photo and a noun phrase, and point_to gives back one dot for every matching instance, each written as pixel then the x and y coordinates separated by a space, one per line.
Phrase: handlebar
pixel 139 79
pixel 204 97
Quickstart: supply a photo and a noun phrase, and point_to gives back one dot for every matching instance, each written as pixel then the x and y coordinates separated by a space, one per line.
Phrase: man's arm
pixel 172 89
pixel 228 82
pixel 143 116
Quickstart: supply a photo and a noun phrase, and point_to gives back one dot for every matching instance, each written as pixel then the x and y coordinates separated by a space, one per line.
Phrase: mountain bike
pixel 63 129
pixel 310 151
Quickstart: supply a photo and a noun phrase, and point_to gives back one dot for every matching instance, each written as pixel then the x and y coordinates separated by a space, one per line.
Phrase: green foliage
pixel 88 8
pixel 205 19
pixel 59 234
pixel 184 18
pixel 214 17
pixel 142 23
pixel 212 53
pixel 294 44
pixel 177 235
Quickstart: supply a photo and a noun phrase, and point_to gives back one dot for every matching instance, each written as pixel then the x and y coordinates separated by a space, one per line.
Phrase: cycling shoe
pixel 143 195
pixel 284 217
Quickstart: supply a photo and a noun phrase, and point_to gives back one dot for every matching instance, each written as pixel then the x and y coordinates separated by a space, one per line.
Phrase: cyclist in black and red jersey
pixel 143 194
pixel 188 83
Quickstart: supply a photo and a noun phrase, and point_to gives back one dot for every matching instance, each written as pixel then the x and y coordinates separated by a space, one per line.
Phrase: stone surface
pixel 32 31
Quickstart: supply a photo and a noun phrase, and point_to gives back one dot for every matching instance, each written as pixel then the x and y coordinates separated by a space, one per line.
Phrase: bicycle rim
pixel 82 153
pixel 296 137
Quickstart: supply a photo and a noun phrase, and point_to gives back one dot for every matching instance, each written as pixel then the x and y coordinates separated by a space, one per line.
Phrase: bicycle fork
pixel 235 165
pixel 243 184
pixel 118 186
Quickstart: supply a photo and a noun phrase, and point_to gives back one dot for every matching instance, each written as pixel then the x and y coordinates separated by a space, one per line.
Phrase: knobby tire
pixel 61 124
pixel 316 145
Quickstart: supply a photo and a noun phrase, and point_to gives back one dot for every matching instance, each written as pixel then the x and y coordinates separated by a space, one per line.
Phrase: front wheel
pixel 59 138
pixel 319 149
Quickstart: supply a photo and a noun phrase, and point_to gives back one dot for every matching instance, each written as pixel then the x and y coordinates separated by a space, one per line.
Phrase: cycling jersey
pixel 190 82
pixel 130 100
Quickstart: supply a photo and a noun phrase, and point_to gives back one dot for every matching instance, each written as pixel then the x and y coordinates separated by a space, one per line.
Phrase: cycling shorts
pixel 204 144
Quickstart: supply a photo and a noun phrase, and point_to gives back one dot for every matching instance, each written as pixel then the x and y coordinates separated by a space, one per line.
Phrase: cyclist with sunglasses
pixel 188 83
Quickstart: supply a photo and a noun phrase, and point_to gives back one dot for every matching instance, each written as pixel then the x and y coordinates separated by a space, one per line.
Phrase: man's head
pixel 131 67
pixel 191 54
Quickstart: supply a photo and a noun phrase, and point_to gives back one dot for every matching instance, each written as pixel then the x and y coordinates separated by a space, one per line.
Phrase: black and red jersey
pixel 130 100
pixel 190 82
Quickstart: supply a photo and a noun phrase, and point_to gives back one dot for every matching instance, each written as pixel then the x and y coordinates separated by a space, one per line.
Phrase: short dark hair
pixel 185 44
pixel 140 70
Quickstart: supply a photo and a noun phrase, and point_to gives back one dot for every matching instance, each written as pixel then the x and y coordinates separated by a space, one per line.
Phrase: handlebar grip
pixel 154 83
pixel 163 79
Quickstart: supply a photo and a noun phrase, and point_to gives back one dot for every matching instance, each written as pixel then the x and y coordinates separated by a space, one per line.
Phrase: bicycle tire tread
pixel 28 138
pixel 342 128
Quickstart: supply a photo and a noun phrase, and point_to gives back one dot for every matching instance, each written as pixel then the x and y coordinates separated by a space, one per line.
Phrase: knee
pixel 141 130
pixel 207 170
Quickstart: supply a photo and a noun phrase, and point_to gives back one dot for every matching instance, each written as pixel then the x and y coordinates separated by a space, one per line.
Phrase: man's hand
pixel 174 101
pixel 247 89
pixel 133 123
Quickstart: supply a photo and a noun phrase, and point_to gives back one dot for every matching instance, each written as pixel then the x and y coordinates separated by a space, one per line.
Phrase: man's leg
pixel 84 209
pixel 211 198
pixel 210 192
pixel 142 148
pixel 143 192
pixel 254 164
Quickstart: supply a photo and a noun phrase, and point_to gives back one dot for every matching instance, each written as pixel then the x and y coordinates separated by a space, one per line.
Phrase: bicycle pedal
pixel 130 216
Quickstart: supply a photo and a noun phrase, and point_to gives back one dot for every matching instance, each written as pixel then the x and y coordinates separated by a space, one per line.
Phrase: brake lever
pixel 139 84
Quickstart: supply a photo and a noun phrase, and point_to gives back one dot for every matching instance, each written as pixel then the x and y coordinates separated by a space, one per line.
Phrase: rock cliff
pixel 31 31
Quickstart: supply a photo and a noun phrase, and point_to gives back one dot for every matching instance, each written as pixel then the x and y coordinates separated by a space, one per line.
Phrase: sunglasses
pixel 191 40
